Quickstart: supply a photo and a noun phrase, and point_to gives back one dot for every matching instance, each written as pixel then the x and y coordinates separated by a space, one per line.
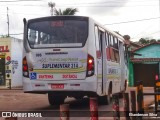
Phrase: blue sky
pixel 137 18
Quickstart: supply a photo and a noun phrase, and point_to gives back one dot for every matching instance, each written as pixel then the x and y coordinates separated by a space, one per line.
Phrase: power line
pixel 98 4
pixel 84 5
pixel 12 34
pixel 18 0
pixel 24 5
pixel 110 6
pixel 133 21
pixel 17 34
pixel 145 35
pixel 112 1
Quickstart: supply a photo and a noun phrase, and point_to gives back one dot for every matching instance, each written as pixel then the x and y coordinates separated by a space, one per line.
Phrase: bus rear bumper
pixel 68 87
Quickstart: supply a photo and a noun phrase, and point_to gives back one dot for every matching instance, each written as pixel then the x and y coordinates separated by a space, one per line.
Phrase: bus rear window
pixel 57 33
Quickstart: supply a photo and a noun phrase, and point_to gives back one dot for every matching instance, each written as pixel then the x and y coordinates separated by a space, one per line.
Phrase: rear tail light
pixel 90 66
pixel 25 68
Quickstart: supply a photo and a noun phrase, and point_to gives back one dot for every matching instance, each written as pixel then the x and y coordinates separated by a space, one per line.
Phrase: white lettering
pixel 34 115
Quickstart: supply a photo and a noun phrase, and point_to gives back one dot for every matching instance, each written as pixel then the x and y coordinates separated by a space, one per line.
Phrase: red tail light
pixel 25 68
pixel 90 66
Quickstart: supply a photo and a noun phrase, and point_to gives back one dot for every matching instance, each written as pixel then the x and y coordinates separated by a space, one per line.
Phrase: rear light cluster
pixel 25 68
pixel 90 66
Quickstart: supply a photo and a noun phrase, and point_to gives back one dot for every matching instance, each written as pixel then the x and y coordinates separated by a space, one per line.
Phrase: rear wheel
pixel 102 100
pixel 55 99
pixel 107 99
pixel 78 97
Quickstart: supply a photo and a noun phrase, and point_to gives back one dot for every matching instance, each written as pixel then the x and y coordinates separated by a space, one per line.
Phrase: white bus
pixel 72 56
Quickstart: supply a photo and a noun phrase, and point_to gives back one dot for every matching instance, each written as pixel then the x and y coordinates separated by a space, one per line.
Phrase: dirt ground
pixel 16 100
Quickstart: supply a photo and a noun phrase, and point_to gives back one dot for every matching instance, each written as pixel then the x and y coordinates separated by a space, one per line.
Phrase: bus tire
pixel 102 100
pixel 55 99
pixel 78 97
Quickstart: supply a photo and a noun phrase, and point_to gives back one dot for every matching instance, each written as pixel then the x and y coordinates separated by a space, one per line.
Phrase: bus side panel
pixel 93 51
pixel 123 68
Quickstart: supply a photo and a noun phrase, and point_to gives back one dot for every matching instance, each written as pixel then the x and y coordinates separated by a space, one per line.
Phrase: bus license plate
pixel 57 86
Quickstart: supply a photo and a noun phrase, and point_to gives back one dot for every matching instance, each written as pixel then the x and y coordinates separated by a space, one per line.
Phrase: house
pixel 10 62
pixel 129 47
pixel 144 64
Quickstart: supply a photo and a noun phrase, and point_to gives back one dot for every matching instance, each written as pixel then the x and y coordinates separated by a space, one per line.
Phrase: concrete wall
pixel 5 49
pixel 16 61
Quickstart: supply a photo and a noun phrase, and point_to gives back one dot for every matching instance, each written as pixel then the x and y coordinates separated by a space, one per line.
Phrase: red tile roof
pixel 146 46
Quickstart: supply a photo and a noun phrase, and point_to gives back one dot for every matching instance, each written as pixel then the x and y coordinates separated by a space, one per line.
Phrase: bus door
pixel 101 59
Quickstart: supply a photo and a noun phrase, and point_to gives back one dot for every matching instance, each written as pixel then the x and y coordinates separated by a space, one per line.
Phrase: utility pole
pixel 52 5
pixel 8 21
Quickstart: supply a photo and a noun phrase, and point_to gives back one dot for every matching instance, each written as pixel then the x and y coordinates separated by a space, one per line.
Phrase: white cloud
pixel 103 11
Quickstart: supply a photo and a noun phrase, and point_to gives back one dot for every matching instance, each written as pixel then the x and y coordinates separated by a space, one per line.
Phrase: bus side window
pixel 111 50
pixel 107 47
pixel 116 47
pixel 98 52
pixel 109 40
pixel 112 40
pixel 100 40
pixel 106 39
pixel 33 37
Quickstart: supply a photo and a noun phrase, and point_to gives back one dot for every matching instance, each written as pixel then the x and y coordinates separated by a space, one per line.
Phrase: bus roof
pixel 110 31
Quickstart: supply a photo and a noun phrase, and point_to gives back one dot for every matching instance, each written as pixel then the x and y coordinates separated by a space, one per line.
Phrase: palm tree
pixel 67 11
pixel 52 5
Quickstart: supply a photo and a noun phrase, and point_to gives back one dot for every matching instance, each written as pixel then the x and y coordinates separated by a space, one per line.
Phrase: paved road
pixel 16 100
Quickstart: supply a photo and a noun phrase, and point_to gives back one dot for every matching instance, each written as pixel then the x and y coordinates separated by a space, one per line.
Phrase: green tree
pixel 4 36
pixel 126 37
pixel 127 40
pixel 143 41
pixel 67 11
pixel 153 40
pixel 52 5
